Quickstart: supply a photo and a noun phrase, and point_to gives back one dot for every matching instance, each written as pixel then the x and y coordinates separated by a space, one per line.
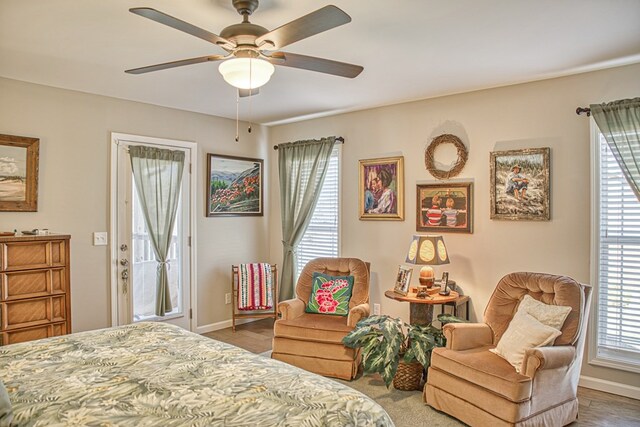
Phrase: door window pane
pixel 144 266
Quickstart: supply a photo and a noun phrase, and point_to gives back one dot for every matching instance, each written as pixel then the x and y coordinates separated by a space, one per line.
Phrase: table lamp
pixel 427 250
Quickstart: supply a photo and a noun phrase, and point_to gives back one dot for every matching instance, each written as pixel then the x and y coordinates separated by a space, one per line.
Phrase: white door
pixel 134 267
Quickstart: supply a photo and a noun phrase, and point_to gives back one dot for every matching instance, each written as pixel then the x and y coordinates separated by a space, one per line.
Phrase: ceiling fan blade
pixel 312 63
pixel 174 64
pixel 248 92
pixel 314 23
pixel 163 18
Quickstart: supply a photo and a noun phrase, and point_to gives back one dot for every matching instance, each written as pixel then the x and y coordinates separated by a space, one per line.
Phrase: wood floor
pixel 597 409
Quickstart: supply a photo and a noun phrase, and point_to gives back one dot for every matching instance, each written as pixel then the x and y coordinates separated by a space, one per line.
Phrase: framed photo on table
pixel 403 280
pixel 444 207
pixel 381 183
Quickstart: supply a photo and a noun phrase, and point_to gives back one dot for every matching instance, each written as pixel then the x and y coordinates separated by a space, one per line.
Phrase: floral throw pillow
pixel 330 294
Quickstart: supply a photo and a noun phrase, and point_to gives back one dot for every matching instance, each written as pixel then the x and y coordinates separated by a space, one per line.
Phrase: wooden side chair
pixel 261 306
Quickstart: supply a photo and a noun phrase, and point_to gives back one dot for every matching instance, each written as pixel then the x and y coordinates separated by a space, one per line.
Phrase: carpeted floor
pixel 405 408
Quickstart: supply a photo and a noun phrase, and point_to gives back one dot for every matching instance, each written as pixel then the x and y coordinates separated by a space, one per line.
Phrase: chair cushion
pixel 547 288
pixel 547 314
pixel 336 267
pixel 330 294
pixel 524 332
pixel 484 369
pixel 313 327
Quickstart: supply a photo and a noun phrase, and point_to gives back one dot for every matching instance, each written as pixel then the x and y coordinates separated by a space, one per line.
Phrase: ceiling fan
pixel 252 50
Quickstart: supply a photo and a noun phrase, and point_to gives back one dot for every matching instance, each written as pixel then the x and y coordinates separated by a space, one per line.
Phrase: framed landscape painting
pixel 444 207
pixel 520 184
pixel 381 183
pixel 19 173
pixel 234 186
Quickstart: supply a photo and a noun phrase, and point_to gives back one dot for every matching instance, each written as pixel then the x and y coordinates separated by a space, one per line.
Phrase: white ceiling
pixel 410 49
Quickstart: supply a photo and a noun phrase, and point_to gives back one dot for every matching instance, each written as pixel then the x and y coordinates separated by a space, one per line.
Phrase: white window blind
pixel 618 309
pixel 321 239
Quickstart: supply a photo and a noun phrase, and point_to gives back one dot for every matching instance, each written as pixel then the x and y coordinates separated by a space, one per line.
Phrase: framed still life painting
pixel 381 183
pixel 446 207
pixel 520 184
pixel 19 173
pixel 235 186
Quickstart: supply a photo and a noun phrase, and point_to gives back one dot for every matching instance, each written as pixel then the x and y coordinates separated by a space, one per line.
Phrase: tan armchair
pixel 478 387
pixel 314 341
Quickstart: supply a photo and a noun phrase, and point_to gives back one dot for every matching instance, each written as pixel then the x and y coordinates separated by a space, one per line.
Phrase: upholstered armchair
pixel 314 341
pixel 480 388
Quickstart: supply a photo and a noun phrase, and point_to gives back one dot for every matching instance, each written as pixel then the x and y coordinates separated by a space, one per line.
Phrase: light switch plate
pixel 227 298
pixel 100 238
pixel 376 309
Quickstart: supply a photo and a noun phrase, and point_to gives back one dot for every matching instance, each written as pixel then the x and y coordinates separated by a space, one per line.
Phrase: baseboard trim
pixel 221 325
pixel 610 387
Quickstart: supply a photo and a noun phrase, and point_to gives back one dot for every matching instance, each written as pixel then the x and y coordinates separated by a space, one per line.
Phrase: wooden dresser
pixel 35 295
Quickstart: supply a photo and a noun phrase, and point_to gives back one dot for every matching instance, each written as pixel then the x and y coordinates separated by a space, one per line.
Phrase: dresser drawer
pixel 32 312
pixel 33 333
pixel 32 283
pixel 32 255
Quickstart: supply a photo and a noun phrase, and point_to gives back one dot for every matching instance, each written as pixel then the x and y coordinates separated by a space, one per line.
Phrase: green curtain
pixel 157 174
pixel 619 122
pixel 302 166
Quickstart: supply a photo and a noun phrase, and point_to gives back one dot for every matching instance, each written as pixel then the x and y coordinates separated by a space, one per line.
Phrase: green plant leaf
pixel 421 345
pixel 360 337
pixel 372 320
pixel 409 356
pixel 374 360
pixel 445 318
pixel 390 370
pixel 392 328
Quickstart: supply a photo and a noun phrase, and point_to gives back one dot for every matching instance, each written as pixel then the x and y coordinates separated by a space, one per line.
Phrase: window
pixel 322 237
pixel 616 250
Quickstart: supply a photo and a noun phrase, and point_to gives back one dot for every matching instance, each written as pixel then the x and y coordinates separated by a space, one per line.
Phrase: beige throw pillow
pixel 547 314
pixel 523 332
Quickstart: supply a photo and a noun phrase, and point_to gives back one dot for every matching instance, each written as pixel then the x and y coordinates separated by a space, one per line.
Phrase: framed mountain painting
pixel 234 186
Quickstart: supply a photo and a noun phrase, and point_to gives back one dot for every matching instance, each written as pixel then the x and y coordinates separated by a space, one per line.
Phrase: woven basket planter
pixel 408 377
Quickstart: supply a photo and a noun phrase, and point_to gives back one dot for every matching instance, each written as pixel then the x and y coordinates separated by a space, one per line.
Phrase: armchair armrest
pixel 358 313
pixel 541 358
pixel 463 336
pixel 291 308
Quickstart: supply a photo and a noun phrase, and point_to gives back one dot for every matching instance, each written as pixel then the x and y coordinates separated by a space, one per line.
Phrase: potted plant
pixel 385 346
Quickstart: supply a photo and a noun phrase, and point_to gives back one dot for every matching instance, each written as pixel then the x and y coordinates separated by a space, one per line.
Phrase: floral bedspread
pixel 153 374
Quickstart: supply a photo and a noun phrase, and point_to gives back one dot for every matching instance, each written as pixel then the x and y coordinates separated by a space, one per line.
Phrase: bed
pixel 154 374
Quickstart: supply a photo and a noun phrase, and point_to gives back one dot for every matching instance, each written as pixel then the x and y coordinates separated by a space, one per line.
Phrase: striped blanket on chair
pixel 255 286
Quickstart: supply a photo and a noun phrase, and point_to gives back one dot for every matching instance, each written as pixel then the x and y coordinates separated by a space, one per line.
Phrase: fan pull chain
pixel 250 93
pixel 237 116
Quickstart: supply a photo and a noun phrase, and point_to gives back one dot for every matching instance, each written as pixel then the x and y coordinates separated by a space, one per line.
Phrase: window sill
pixel 618 364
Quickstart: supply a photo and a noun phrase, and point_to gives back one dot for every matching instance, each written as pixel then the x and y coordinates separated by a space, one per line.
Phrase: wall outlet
pixel 376 309
pixel 227 298
pixel 100 238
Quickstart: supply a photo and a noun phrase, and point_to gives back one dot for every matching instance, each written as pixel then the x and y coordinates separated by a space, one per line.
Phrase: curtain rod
pixel 581 110
pixel 339 140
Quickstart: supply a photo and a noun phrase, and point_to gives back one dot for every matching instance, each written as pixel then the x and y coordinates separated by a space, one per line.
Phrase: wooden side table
pixel 421 309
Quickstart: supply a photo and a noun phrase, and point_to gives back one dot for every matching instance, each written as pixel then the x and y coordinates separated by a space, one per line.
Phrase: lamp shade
pixel 246 73
pixel 427 250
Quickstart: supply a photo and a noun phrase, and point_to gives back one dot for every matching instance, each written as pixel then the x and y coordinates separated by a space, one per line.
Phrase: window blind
pixel 321 237
pixel 618 308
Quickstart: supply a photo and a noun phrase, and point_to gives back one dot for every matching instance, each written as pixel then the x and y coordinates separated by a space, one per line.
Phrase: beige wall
pixel 539 114
pixel 74 130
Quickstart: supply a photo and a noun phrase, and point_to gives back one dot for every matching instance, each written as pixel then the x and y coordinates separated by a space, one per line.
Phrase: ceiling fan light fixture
pixel 246 73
